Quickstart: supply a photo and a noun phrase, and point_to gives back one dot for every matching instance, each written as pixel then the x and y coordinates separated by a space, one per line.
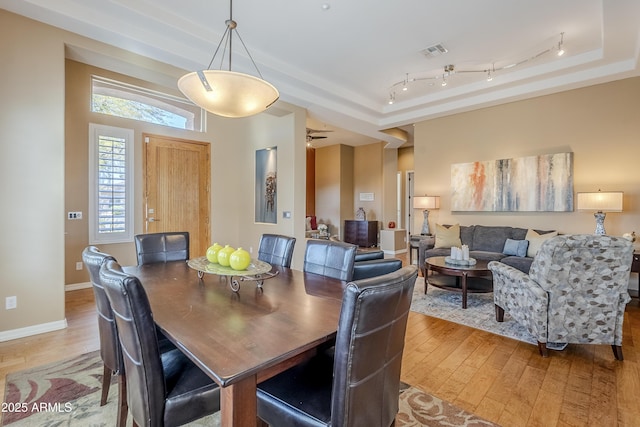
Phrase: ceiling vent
pixel 435 50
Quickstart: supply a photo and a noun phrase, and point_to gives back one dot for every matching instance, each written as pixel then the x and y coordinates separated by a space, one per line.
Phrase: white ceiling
pixel 341 62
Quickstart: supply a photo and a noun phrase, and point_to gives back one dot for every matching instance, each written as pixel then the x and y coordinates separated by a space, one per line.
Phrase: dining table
pixel 242 337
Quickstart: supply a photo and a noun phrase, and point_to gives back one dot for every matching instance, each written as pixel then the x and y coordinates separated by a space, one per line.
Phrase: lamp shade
pixel 228 93
pixel 426 202
pixel 600 201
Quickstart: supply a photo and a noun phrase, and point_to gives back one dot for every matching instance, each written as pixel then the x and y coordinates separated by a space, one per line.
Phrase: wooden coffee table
pixel 475 278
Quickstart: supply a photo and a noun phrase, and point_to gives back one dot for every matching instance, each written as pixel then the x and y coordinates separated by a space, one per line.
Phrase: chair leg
pixel 542 348
pixel 617 352
pixel 106 382
pixel 123 407
pixel 499 313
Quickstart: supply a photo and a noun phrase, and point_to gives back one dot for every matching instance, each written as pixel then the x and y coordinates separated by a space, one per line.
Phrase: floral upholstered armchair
pixel 575 292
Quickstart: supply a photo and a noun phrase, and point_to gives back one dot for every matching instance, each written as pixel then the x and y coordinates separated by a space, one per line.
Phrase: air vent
pixel 435 50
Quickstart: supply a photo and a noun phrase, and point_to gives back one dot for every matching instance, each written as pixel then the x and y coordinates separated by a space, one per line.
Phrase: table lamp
pixel 599 202
pixel 426 203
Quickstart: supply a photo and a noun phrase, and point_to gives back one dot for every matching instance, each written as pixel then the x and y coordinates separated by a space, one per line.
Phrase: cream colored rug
pixel 68 393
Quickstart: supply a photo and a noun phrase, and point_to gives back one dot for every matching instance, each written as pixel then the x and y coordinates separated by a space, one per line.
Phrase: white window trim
pixel 95 130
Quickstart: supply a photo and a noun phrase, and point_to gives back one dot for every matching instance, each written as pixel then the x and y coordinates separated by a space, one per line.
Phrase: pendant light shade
pixel 228 93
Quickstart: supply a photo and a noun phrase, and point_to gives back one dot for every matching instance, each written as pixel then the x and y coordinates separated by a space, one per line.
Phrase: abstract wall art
pixel 525 184
pixel 266 196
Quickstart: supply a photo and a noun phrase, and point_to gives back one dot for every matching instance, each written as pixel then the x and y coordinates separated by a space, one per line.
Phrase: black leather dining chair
pixel 329 258
pixel 276 249
pixel 162 247
pixel 163 389
pixel 110 351
pixel 358 383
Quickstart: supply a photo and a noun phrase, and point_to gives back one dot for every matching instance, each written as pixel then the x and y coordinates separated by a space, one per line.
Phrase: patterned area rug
pixel 479 314
pixel 68 393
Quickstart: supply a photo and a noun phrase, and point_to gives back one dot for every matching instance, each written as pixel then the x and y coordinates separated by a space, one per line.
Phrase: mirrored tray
pixel 257 271
pixel 203 265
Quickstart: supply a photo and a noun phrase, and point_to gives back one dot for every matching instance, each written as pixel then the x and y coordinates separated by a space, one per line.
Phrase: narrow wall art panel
pixel 266 197
pixel 525 184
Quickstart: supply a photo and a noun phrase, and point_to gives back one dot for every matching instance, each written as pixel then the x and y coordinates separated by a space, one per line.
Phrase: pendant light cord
pixel 228 35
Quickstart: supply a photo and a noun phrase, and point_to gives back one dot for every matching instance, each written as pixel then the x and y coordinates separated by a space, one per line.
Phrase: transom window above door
pixel 137 103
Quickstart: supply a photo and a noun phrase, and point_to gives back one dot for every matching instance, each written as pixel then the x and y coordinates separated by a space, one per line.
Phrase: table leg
pixel 464 291
pixel 426 278
pixel 238 403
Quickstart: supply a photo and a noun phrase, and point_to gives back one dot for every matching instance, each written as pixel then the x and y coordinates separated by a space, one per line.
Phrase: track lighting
pixel 450 70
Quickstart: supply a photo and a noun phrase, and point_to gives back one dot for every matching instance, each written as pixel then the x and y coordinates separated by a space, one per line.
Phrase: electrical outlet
pixel 74 215
pixel 11 303
pixel 79 265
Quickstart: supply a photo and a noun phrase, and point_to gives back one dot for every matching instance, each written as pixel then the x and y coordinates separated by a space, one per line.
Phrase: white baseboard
pixel 400 251
pixel 32 330
pixel 76 286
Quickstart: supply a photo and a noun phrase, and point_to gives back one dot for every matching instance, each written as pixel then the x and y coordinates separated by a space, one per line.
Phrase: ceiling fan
pixel 311 137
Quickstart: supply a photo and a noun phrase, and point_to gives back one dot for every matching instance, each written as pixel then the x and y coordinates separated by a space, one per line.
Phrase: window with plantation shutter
pixel 110 184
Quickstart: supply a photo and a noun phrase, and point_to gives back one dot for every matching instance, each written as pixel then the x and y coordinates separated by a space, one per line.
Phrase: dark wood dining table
pixel 242 338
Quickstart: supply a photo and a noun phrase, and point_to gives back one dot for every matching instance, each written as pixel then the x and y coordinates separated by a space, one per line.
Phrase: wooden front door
pixel 176 189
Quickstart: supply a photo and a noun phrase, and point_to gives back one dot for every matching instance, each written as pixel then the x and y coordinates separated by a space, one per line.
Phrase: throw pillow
pixel 536 240
pixel 447 237
pixel 307 224
pixel 516 247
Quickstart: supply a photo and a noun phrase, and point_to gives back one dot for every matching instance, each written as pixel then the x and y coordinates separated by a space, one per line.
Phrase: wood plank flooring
pixel 500 379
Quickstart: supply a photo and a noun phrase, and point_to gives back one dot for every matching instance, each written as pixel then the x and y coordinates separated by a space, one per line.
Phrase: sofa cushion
pixel 437 252
pixel 490 238
pixel 447 237
pixel 521 263
pixel 466 234
pixel 536 240
pixel 515 247
pixel 486 255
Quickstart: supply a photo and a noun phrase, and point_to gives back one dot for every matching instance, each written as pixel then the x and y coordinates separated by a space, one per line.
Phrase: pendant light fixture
pixel 228 93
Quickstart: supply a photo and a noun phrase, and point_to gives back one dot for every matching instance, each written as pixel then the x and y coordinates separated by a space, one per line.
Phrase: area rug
pixel 479 314
pixel 68 393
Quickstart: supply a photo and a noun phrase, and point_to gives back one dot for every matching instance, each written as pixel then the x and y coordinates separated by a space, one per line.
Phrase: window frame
pixel 95 132
pixel 153 98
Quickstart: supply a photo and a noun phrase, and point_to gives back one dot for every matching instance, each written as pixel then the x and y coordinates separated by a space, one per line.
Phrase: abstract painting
pixel 526 184
pixel 266 197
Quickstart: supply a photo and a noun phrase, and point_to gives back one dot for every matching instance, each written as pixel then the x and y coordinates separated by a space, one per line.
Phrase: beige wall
pixel 343 172
pixel 405 165
pixel 33 253
pixel 367 178
pixel 32 174
pixel 599 124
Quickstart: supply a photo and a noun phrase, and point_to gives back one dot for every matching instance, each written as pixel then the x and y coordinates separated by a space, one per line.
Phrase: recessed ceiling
pixel 340 62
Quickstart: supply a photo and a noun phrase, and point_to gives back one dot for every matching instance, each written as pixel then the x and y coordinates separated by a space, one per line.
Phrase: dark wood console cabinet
pixel 361 233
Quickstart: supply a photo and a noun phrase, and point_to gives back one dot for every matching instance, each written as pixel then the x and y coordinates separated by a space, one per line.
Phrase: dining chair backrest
pixel 164 387
pixel 276 249
pixel 110 351
pixel 357 382
pixel 329 258
pixel 137 333
pixel 162 247
pixel 369 347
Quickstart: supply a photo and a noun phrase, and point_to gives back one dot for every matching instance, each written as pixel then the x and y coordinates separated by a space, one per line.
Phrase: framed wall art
pixel 266 193
pixel 526 184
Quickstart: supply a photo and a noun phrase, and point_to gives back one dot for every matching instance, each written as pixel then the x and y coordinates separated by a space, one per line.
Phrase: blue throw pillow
pixel 516 247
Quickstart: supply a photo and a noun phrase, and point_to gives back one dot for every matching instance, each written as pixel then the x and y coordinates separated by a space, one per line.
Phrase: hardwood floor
pixel 502 380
